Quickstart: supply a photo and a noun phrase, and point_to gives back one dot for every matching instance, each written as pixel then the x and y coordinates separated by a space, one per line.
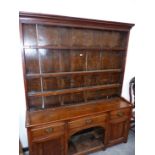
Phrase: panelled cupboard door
pixel 118 130
pixel 54 146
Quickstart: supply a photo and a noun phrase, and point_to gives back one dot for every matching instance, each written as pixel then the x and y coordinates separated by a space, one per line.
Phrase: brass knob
pixel 88 121
pixel 120 114
pixel 49 130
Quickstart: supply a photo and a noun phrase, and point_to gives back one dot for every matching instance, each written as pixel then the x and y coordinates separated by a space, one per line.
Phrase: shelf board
pixel 71 73
pixel 72 90
pixel 72 48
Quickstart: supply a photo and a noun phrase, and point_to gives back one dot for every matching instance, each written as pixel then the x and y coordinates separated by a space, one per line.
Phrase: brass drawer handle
pixel 88 121
pixel 120 114
pixel 48 130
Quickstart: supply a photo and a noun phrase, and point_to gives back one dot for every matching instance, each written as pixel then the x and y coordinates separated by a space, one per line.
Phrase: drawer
pixel 87 121
pixel 120 113
pixel 47 131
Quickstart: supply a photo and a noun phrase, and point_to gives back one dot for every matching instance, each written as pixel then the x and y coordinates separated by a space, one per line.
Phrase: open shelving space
pixel 73 90
pixel 64 97
pixel 86 141
pixel 69 65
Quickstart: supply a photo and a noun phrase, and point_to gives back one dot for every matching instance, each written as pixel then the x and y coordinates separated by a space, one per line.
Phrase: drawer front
pixel 87 121
pixel 47 131
pixel 120 113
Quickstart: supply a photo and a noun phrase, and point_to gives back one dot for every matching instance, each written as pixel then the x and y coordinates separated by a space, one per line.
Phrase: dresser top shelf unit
pixel 70 61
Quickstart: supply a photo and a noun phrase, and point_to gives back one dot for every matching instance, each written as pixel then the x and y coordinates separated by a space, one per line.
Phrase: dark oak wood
pixel 73 74
pixel 31 18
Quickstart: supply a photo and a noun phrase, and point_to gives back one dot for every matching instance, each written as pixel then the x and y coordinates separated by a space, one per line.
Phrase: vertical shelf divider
pixel 40 71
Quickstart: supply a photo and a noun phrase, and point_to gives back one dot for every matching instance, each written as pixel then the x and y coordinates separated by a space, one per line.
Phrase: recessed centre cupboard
pixel 73 74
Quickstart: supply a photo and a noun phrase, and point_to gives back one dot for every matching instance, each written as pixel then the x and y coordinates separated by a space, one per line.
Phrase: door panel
pixel 50 147
pixel 118 131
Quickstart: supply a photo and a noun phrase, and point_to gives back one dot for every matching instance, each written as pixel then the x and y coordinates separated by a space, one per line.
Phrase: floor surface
pixel 120 149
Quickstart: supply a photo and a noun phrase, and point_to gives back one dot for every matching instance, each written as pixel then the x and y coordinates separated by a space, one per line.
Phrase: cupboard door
pixel 118 130
pixel 49 147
